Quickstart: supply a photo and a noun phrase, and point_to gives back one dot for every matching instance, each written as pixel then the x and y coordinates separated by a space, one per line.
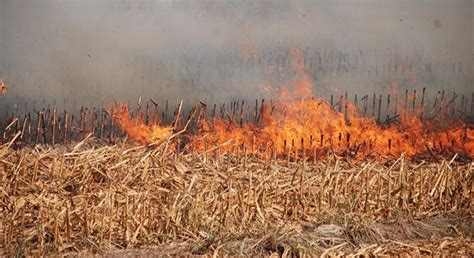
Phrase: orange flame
pixel 138 130
pixel 299 121
pixel 303 119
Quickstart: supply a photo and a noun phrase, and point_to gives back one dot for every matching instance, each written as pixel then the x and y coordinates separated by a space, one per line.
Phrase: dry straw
pixel 96 198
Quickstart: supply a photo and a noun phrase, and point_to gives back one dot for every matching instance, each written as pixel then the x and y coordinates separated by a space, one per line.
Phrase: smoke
pixel 91 52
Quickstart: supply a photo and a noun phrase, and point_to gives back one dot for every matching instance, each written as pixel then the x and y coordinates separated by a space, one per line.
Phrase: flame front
pixel 299 121
pixel 305 123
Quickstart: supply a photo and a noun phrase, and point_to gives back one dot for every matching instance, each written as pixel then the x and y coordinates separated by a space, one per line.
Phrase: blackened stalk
pixel 414 103
pixel 147 113
pixel 38 124
pixel 380 109
pixel 102 123
pixel 405 106
pixel 53 127
pixel 422 102
pixel 214 111
pixel 373 105
pixel 65 126
pixel 340 103
pixel 472 104
pixel 366 97
pixel 260 114
pixel 395 111
pixel 388 107
pixel 242 113
pixel 256 112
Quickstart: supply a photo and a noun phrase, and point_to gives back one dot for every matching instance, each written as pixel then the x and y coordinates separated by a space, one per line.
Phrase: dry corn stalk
pixel 99 197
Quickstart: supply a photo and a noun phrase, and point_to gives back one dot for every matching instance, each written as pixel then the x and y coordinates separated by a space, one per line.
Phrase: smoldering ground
pixel 88 52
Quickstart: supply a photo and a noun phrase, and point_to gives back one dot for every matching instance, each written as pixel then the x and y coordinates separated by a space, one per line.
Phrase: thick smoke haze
pixel 91 52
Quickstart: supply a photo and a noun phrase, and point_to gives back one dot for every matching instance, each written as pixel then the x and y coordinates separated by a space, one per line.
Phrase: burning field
pixel 296 175
pixel 309 160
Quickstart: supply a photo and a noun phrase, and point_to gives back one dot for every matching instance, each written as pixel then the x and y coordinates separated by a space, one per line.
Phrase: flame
pixel 303 122
pixel 138 130
pixel 299 121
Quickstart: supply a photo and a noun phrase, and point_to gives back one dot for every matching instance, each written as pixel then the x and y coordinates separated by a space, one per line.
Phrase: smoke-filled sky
pixel 97 52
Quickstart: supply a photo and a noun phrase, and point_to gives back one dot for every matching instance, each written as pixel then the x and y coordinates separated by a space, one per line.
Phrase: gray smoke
pixel 93 52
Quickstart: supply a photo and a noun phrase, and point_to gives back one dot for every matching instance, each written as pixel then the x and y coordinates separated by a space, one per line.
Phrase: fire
pixel 302 122
pixel 138 130
pixel 299 122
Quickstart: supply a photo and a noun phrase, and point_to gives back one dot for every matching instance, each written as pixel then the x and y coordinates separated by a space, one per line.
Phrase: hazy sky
pixel 93 52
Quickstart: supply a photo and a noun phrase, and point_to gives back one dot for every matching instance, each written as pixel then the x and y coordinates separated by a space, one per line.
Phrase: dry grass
pixel 91 197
